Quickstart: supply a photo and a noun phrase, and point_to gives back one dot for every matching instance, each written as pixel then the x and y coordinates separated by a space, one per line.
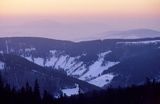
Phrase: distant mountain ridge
pixel 99 62
pixel 130 34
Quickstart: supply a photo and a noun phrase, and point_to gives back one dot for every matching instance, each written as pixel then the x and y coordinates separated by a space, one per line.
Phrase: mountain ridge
pixel 87 61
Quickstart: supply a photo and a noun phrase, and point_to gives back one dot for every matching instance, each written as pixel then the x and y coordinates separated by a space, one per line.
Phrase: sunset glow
pixel 76 19
pixel 79 7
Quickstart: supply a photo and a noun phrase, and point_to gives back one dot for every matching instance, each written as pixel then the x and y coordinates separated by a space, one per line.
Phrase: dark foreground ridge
pixel 149 93
pixel 17 71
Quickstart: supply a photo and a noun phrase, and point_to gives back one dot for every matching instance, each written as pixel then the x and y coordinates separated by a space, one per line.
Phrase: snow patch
pixel 7 48
pixel 58 61
pixel 39 61
pixel 30 49
pixel 140 42
pixel 29 58
pixel 35 71
pixel 102 55
pixel 53 51
pixel 84 54
pixel 1 52
pixel 50 62
pixel 69 64
pixel 61 62
pixel 97 68
pixel 102 80
pixel 79 71
pixel 72 91
pixel 2 64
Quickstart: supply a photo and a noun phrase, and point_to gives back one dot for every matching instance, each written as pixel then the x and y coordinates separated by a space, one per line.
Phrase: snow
pixel 39 61
pixel 1 52
pixel 2 65
pixel 35 71
pixel 71 91
pixel 102 80
pixel 51 61
pixel 29 58
pixel 141 42
pixel 30 49
pixel 74 67
pixel 61 62
pixel 7 46
pixel 97 68
pixel 53 51
pixel 79 71
pixel 104 53
pixel 69 64
pixel 84 54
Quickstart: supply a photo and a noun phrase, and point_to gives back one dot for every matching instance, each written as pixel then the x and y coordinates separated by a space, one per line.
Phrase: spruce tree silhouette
pixel 149 93
pixel 36 92
pixel 47 98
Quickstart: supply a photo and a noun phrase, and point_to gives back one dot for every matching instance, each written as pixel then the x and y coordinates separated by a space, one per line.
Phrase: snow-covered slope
pixel 102 80
pixel 90 61
pixel 73 66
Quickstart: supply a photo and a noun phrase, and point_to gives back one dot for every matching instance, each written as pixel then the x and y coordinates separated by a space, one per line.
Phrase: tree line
pixel 149 93
pixel 25 95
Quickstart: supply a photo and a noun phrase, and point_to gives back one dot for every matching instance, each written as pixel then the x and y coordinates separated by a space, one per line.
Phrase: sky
pixel 75 19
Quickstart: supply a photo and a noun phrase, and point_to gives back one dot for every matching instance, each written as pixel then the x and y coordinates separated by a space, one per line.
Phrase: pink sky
pixel 75 19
